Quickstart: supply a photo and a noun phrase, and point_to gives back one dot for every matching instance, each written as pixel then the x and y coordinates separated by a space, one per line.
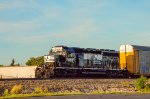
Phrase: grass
pixel 65 94
pixel 41 94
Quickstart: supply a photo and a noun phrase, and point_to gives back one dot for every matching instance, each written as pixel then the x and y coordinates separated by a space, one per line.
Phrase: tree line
pixel 33 61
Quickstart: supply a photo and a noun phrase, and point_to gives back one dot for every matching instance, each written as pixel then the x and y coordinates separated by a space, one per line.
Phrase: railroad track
pixel 69 77
pixel 63 78
pixel 64 81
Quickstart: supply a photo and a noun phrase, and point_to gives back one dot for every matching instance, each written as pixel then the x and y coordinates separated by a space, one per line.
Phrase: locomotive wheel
pixel 79 73
pixel 52 71
pixel 38 74
pixel 125 75
pixel 116 74
pixel 47 74
pixel 108 74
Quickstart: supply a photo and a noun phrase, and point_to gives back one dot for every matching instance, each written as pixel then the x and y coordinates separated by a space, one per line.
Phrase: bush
pixel 16 89
pixel 45 90
pixel 6 92
pixel 1 65
pixel 38 90
pixel 140 83
pixel 147 87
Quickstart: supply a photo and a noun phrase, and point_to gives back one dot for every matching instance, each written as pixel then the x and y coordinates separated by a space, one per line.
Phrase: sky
pixel 29 28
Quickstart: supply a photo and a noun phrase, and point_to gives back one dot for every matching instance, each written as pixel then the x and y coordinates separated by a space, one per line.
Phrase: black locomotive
pixel 74 61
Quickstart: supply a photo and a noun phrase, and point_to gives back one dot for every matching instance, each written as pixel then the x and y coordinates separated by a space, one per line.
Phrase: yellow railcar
pixel 136 59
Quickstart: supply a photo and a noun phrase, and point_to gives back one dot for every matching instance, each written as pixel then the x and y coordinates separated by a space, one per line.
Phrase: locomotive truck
pixel 74 61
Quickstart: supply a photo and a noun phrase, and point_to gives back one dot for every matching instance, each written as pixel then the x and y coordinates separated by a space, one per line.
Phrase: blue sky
pixel 29 28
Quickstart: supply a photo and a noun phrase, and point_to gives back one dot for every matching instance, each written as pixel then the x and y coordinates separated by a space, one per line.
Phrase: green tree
pixel 1 65
pixel 13 62
pixel 18 64
pixel 38 61
pixel 140 83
